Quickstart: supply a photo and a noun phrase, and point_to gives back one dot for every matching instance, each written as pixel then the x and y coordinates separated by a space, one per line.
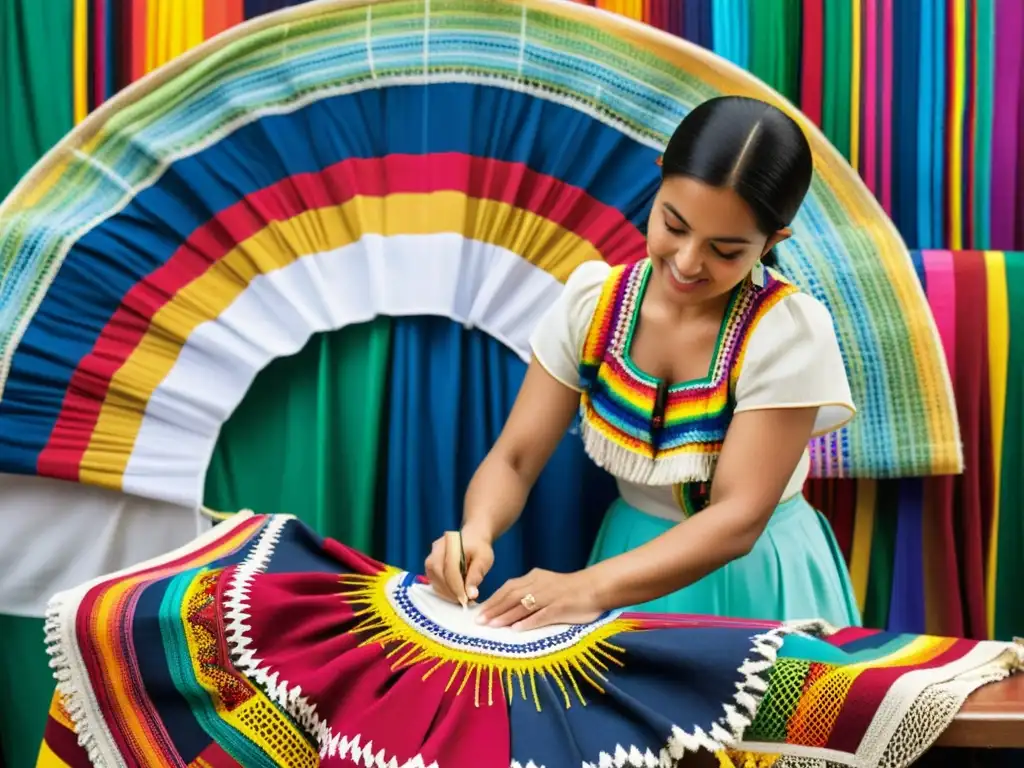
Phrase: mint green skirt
pixel 795 571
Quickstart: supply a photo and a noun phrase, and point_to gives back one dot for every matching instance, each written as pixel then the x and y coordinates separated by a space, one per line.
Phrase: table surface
pixel 993 716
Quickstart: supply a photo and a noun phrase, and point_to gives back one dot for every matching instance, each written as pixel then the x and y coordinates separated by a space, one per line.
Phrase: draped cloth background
pixel 35 65
pixel 372 433
pixel 924 99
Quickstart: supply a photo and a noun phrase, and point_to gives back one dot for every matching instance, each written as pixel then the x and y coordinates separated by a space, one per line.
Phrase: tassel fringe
pixel 634 468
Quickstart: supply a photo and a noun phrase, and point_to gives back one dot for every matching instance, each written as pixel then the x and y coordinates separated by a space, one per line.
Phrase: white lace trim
pixel 912 716
pixel 289 697
pixel 66 660
pixel 725 733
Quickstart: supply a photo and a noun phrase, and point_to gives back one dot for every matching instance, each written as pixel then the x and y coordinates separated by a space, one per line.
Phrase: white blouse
pixel 792 361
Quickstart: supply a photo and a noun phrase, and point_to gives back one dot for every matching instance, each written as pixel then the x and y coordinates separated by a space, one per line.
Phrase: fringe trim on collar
pixel 633 467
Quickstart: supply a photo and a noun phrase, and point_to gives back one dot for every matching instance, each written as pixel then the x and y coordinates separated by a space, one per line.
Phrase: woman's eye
pixel 674 230
pixel 722 255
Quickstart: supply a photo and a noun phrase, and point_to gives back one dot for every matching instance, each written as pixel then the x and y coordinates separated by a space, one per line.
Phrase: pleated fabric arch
pixel 337 161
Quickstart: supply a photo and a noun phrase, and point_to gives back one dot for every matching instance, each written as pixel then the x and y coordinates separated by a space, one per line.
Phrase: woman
pixel 699 377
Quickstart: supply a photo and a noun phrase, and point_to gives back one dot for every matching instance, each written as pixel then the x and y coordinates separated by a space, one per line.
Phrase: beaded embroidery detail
pixel 494 664
pixel 618 405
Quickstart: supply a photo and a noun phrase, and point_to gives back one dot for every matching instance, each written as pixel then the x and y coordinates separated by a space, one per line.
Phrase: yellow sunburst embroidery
pixel 586 660
pixel 733 759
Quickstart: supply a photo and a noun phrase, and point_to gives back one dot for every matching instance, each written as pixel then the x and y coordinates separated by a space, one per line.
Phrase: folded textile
pixel 262 644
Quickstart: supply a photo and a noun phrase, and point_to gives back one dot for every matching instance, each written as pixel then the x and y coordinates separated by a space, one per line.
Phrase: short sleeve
pixel 793 361
pixel 557 341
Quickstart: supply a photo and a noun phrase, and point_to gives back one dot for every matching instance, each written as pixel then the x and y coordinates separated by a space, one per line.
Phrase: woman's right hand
pixel 442 565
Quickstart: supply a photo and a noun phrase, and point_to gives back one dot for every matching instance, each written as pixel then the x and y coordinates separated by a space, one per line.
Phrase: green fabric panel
pixel 1009 565
pixel 26 687
pixel 785 684
pixel 36 82
pixel 760 42
pixel 775 45
pixel 790 20
pixel 828 73
pixel 984 74
pixel 838 75
pixel 305 439
pixel 883 550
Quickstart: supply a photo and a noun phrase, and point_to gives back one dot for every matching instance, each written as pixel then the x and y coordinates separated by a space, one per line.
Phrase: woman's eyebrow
pixel 723 239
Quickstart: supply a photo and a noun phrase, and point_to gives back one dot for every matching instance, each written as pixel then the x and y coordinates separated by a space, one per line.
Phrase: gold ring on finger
pixel 529 602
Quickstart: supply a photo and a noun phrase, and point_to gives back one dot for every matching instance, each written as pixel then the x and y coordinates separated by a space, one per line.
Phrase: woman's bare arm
pixel 543 411
pixel 760 454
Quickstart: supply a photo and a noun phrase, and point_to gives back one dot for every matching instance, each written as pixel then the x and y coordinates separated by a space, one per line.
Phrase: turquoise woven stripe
pixel 179 664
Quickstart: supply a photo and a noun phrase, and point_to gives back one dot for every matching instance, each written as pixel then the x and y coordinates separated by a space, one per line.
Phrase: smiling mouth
pixel 683 283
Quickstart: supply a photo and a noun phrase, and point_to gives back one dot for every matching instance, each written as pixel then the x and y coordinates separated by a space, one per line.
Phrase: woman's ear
pixel 777 237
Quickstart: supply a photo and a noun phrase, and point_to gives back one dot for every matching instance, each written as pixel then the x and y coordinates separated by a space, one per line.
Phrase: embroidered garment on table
pixel 262 644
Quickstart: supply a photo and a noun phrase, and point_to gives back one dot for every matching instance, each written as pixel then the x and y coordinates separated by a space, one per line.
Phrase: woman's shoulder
pixel 792 358
pixel 796 310
pixel 588 278
pixel 557 340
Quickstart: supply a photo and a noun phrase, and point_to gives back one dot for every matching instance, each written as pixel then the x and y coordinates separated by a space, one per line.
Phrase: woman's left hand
pixel 541 598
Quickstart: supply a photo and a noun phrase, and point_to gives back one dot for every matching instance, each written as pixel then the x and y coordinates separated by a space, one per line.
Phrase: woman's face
pixel 702 240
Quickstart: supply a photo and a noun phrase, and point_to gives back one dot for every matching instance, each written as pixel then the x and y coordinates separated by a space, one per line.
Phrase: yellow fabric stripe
pixel 47 758
pixel 172 27
pixel 108 649
pixel 193 17
pixel 80 52
pixel 863 530
pixel 59 713
pixel 279 738
pixel 543 243
pixel 855 87
pixel 998 368
pixel 813 717
pixel 956 155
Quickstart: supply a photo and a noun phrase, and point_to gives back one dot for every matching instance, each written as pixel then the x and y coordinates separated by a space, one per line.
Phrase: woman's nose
pixel 688 260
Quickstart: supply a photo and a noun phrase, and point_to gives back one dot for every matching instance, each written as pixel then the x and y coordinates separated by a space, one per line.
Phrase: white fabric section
pixel 58 534
pixel 655 500
pixel 478 284
pixel 557 341
pixel 453 626
pixel 793 361
pixel 658 500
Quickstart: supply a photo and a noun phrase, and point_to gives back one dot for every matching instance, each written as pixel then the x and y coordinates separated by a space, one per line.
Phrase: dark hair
pixel 749 146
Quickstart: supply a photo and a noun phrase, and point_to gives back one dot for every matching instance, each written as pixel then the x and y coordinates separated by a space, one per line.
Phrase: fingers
pixel 498 602
pixel 505 607
pixel 453 567
pixel 478 568
pixel 534 620
pixel 514 614
pixel 434 567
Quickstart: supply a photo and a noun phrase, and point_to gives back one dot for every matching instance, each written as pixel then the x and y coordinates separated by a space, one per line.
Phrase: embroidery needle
pixel 463 571
pixel 455 566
